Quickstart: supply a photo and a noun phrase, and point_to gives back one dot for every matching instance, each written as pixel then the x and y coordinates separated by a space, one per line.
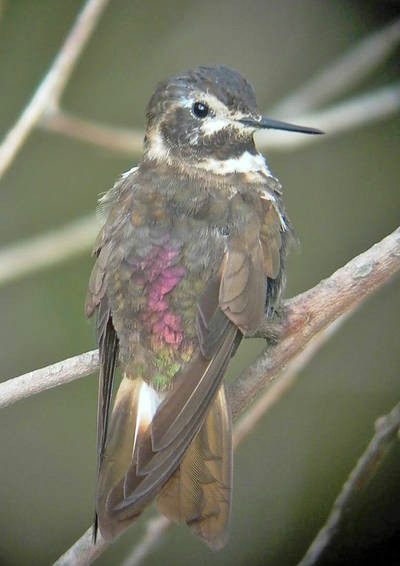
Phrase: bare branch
pixel 83 552
pixel 277 389
pixel 155 529
pixel 354 112
pixel 28 256
pixel 50 89
pixel 42 379
pixel 387 429
pixel 342 74
pixel 121 140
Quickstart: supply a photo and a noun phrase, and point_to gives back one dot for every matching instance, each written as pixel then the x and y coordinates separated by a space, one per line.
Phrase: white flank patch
pixel 246 163
pixel 149 401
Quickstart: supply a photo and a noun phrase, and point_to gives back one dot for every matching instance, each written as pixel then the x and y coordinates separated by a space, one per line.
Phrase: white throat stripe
pixel 245 163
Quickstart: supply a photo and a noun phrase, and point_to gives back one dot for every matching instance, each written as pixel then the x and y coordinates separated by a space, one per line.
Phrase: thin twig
pixel 387 428
pixel 50 89
pixel 342 74
pixel 121 140
pixel 354 112
pixel 35 253
pixel 155 531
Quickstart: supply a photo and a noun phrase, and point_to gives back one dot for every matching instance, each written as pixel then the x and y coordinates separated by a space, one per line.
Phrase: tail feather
pixel 199 492
pixel 134 407
pixel 150 433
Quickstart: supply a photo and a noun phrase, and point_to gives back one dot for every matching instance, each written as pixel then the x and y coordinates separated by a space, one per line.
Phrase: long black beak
pixel 278 125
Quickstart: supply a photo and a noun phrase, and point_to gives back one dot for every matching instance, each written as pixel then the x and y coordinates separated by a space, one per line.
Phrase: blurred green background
pixel 342 195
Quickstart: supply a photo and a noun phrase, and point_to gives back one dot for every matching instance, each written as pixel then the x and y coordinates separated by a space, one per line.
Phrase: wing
pixel 108 344
pixel 97 300
pixel 242 293
pixel 199 491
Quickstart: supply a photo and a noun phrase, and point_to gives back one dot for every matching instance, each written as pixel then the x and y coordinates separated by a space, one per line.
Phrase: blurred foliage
pixel 342 195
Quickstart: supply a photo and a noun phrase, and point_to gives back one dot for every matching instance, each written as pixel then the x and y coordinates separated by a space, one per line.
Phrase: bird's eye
pixel 200 110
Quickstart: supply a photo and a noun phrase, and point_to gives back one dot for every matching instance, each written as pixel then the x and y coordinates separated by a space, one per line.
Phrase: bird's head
pixel 206 118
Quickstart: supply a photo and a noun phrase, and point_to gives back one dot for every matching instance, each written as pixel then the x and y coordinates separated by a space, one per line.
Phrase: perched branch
pixel 83 552
pixel 387 429
pixel 42 379
pixel 50 248
pixel 52 86
pixel 276 390
pixel 342 74
pixel 305 316
pixel 155 529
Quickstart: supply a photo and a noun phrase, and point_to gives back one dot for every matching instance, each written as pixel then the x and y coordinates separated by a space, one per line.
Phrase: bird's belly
pixel 154 294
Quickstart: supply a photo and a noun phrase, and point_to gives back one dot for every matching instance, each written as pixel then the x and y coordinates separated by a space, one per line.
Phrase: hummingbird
pixel 190 259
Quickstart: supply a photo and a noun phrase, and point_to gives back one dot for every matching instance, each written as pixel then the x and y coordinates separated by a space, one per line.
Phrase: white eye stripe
pixel 212 125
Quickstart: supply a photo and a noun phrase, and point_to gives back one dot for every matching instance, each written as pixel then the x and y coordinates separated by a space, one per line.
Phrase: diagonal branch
pixel 387 429
pixel 313 311
pixel 120 140
pixel 50 248
pixel 343 74
pixel 354 112
pixel 53 84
